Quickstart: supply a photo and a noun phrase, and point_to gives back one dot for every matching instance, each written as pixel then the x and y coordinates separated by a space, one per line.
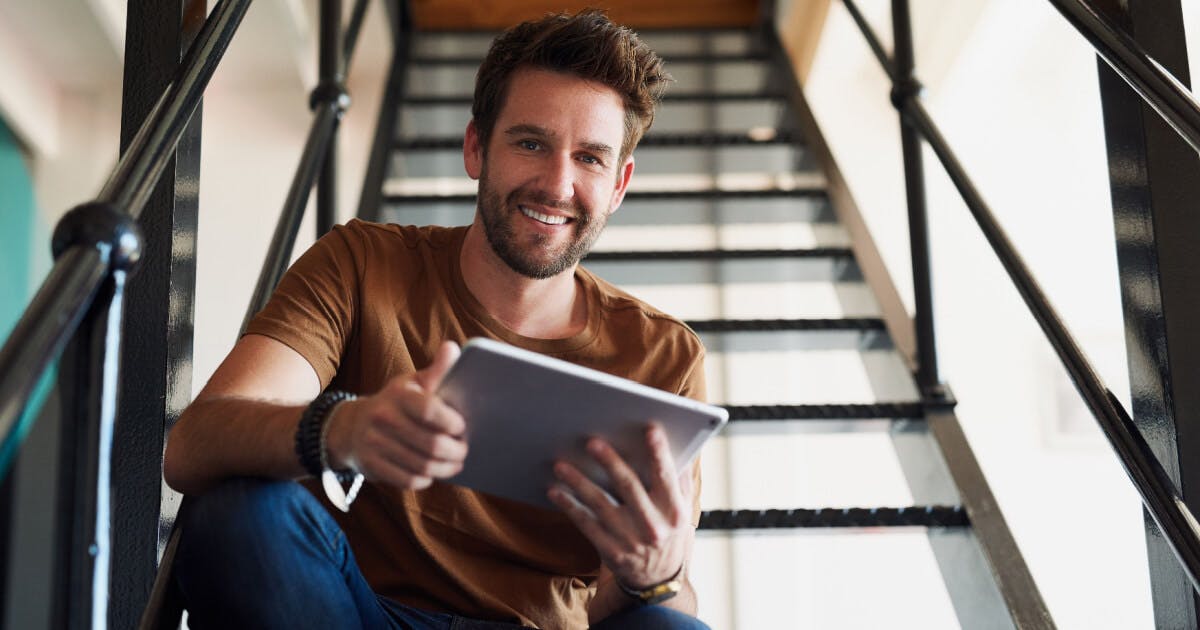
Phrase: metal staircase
pixel 737 221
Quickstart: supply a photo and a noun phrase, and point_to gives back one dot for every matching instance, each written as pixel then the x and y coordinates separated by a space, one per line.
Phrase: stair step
pixel 915 516
pixel 720 254
pixel 643 195
pixel 779 325
pixel 446 143
pixel 438 100
pixel 698 58
pixel 825 411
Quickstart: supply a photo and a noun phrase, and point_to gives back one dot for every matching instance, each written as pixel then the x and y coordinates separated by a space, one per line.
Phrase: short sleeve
pixel 313 310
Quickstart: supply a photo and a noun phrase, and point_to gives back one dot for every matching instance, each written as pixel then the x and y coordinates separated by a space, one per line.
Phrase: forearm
pixel 222 437
pixel 610 599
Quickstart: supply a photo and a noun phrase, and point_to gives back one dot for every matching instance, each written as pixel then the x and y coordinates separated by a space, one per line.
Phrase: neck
pixel 553 308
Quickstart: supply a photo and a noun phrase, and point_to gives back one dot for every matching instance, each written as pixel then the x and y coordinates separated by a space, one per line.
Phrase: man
pixel 375 310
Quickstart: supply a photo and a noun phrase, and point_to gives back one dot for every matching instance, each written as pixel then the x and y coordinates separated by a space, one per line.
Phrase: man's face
pixel 551 173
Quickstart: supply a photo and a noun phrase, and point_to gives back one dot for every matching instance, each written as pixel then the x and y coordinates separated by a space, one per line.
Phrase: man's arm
pixel 244 423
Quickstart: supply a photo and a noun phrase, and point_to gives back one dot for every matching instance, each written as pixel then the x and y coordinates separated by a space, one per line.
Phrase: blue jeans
pixel 265 554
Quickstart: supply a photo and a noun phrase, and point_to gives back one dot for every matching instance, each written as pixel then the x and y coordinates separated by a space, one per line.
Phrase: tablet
pixel 525 410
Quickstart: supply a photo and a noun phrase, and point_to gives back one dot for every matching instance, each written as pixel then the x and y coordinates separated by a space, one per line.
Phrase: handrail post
pixel 1155 182
pixel 332 70
pixel 905 86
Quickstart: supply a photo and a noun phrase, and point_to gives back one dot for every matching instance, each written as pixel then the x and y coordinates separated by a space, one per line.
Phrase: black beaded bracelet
pixel 308 433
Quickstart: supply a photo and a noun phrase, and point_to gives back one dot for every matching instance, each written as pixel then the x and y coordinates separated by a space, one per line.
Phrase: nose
pixel 557 178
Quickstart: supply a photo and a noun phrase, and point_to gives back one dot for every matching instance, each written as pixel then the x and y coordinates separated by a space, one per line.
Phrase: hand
pixel 403 435
pixel 644 539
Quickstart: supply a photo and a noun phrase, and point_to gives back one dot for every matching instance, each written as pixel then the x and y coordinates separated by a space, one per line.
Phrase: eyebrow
pixel 534 130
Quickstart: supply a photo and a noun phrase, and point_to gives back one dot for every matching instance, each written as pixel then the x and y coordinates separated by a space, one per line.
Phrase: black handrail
pixel 1161 91
pixel 1159 493
pixel 95 238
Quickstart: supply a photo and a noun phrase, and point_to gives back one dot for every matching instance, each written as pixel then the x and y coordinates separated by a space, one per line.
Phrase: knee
pixel 653 618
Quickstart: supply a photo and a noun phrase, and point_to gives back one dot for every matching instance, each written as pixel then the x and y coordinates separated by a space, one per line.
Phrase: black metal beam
pixel 331 88
pixel 1139 61
pixel 904 87
pixel 1155 179
pixel 155 377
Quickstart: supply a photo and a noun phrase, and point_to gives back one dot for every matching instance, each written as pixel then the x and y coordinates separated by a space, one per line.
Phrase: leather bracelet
pixel 656 593
pixel 310 446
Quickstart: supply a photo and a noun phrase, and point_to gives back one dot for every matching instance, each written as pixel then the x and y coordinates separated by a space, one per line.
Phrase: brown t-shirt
pixel 370 302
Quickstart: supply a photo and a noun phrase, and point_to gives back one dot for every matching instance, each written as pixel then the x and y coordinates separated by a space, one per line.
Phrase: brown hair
pixel 587 45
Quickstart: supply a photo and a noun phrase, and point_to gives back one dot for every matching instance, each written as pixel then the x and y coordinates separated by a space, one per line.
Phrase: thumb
pixel 431 377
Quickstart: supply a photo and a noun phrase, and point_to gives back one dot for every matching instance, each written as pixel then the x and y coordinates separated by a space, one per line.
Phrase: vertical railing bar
pixel 331 83
pixel 137 173
pixel 905 84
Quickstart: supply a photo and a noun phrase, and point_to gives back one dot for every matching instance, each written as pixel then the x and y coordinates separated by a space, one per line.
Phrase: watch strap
pixel 656 593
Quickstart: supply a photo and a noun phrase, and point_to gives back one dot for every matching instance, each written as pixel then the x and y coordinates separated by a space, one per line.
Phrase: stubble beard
pixel 499 215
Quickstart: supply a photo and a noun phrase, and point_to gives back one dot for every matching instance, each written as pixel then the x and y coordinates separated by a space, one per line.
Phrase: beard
pixel 534 256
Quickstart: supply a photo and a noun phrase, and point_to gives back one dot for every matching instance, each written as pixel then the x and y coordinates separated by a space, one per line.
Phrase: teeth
pixel 544 218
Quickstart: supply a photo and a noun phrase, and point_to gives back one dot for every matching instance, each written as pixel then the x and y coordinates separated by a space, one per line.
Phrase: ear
pixel 472 151
pixel 623 177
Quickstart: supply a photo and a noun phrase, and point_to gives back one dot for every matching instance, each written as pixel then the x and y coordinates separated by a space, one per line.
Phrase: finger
pixel 584 519
pixel 376 467
pixel 431 377
pixel 417 463
pixel 426 441
pixel 637 522
pixel 626 484
pixel 664 482
pixel 431 411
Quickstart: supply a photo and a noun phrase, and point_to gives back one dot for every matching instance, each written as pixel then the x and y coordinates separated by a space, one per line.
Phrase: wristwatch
pixel 657 593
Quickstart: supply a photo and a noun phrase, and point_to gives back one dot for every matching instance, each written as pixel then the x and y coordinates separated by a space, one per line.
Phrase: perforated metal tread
pixel 776 325
pixel 465 99
pixel 475 60
pixel 703 139
pixel 644 195
pixel 825 411
pixel 720 254
pixel 914 516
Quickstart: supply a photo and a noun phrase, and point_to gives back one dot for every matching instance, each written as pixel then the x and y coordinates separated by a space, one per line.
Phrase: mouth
pixel 547 219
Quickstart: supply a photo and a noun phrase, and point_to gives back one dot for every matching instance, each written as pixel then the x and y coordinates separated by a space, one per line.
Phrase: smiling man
pixel 336 378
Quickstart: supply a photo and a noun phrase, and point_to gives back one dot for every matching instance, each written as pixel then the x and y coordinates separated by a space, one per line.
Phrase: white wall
pixel 1019 102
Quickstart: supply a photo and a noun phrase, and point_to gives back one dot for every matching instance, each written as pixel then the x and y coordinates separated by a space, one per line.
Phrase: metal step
pixel 673 116
pixel 787 325
pixel 697 58
pixel 826 411
pixel 644 195
pixel 720 254
pixel 700 139
pixel 464 100
pixel 914 516
pixel 732 76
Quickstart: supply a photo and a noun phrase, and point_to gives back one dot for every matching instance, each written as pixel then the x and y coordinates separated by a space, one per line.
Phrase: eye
pixel 529 145
pixel 591 159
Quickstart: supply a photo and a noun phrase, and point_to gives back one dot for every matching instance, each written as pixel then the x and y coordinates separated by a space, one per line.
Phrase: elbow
pixel 175 466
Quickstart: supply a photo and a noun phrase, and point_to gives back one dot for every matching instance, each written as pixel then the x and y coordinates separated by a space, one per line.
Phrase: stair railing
pixel 317 166
pixel 98 244
pixel 1180 109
